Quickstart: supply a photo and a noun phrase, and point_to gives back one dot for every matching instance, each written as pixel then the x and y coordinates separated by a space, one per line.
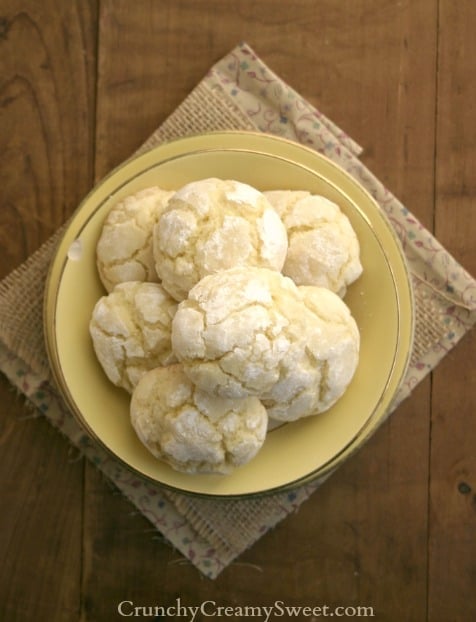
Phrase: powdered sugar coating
pixel 236 328
pixel 192 431
pixel 131 331
pixel 315 376
pixel 323 247
pixel 213 224
pixel 252 331
pixel 124 250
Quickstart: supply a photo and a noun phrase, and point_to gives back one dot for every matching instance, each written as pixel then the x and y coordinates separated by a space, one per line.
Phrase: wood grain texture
pixel 47 54
pixel 40 521
pixel 452 553
pixel 47 86
pixel 82 85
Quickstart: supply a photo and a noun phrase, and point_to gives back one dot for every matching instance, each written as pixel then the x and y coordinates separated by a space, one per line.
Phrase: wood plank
pixel 371 67
pixel 452 570
pixel 124 557
pixel 46 122
pixel 47 73
pixel 40 522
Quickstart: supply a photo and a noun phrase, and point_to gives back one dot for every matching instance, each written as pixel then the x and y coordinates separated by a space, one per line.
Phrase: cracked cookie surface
pixel 314 375
pixel 131 331
pixel 252 331
pixel 213 224
pixel 124 249
pixel 192 431
pixel 323 248
pixel 236 328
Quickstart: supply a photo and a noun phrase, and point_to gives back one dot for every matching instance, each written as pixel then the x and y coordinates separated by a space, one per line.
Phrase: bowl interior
pixel 380 302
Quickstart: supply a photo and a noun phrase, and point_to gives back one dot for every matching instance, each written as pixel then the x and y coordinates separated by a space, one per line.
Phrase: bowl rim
pixel 192 144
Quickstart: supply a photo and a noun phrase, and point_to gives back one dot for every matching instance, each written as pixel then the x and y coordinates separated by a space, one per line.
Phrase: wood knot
pixel 464 488
pixel 4 27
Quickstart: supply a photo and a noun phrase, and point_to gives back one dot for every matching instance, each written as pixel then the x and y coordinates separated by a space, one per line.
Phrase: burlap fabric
pixel 239 92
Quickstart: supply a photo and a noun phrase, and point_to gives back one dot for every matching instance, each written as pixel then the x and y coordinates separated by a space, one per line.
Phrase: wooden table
pixel 82 84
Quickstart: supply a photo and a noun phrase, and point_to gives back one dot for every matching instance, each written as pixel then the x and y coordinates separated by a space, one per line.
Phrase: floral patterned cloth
pixel 239 92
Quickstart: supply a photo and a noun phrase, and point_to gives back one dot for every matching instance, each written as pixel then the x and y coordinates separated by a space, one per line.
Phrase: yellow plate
pixel 381 302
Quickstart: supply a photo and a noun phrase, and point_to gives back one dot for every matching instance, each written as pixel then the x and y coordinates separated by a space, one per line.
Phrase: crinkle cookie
pixel 236 328
pixel 211 225
pixel 315 376
pixel 131 331
pixel 124 250
pixel 323 247
pixel 192 431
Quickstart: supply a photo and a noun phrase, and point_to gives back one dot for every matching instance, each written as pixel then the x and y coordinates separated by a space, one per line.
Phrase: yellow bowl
pixel 381 302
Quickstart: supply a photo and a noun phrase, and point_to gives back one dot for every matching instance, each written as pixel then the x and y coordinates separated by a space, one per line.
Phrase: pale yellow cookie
pixel 212 225
pixel 131 331
pixel 323 247
pixel 192 431
pixel 236 328
pixel 316 373
pixel 124 250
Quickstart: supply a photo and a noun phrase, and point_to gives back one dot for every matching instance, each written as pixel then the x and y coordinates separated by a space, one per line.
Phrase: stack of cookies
pixel 224 309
